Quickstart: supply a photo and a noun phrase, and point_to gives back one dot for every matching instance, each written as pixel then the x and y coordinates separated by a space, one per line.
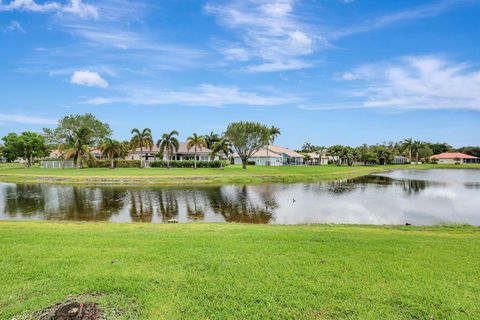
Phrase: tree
pixel 247 138
pixel 473 151
pixel 415 147
pixel 68 124
pixel 407 146
pixel 141 139
pixel 274 133
pixel 308 147
pixel 337 151
pixel 28 146
pixel 223 146
pixel 195 141
pixel 383 154
pixel 365 154
pixel 168 143
pixel 77 146
pixel 111 149
pixel 211 139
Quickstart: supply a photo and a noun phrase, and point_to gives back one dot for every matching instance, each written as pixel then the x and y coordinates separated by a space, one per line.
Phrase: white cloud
pixel 14 26
pixel 19 118
pixel 88 78
pixel 203 95
pixel 269 32
pixel 417 82
pixel 75 7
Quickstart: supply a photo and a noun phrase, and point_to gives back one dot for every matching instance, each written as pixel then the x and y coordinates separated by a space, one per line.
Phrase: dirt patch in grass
pixel 93 306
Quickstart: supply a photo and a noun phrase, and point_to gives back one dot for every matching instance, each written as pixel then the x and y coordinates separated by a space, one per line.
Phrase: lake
pixel 418 197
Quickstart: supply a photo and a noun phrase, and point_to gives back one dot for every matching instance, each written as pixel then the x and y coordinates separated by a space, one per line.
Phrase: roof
pixel 453 155
pixel 274 151
pixel 181 150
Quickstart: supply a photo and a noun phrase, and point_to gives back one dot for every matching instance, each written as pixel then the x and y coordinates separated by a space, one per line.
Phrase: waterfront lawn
pixel 230 174
pixel 228 271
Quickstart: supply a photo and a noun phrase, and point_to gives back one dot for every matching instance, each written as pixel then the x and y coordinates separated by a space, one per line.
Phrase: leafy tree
pixel 383 154
pixel 338 152
pixel 68 124
pixel 195 141
pixel 77 146
pixel 223 146
pixel 473 151
pixel 308 147
pixel 111 149
pixel 365 154
pixel 211 139
pixel 438 148
pixel 168 143
pixel 141 139
pixel 28 146
pixel 424 152
pixel 247 138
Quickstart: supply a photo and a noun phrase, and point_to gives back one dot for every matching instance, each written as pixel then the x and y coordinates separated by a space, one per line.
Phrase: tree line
pixel 77 135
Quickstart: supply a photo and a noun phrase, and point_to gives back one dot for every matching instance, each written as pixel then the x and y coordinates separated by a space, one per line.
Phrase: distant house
pixel 318 158
pixel 400 160
pixel 56 154
pixel 455 157
pixel 203 154
pixel 276 156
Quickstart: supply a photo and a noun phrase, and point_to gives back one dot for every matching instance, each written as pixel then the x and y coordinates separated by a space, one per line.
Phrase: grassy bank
pixel 224 271
pixel 182 176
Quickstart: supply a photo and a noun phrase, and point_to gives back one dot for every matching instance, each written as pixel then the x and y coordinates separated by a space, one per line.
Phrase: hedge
pixel 188 164
pixel 116 163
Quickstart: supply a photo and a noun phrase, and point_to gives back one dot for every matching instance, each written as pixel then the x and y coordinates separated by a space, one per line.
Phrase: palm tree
pixel 222 146
pixel 77 146
pixel 168 143
pixel 140 140
pixel 416 146
pixel 196 141
pixel 211 139
pixel 111 149
pixel 274 133
pixel 407 145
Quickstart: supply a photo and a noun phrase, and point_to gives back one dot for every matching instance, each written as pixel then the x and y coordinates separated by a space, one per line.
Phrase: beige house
pixel 183 153
pixel 318 158
pixel 455 157
pixel 275 156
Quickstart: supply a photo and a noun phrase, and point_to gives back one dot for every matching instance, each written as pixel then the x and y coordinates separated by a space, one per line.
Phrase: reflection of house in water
pixel 237 204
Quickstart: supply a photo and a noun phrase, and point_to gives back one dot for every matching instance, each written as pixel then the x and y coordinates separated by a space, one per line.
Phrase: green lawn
pixel 228 271
pixel 231 174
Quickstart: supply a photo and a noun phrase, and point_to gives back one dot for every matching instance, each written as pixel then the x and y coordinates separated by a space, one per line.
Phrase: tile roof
pixel 181 150
pixel 453 155
pixel 275 151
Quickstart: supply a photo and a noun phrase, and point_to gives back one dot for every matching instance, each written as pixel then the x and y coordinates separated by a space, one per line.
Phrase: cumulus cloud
pixel 203 95
pixel 416 82
pixel 76 7
pixel 88 78
pixel 271 36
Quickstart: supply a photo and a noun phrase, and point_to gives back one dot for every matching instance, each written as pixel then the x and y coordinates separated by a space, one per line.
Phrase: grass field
pixel 228 271
pixel 182 176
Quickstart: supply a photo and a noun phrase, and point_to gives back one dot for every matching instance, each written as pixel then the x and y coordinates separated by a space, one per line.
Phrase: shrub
pixel 187 164
pixel 116 163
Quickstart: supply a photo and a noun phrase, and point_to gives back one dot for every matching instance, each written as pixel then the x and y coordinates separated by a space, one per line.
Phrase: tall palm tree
pixel 274 133
pixel 111 149
pixel 195 141
pixel 407 145
pixel 211 139
pixel 416 146
pixel 168 143
pixel 222 146
pixel 77 146
pixel 141 139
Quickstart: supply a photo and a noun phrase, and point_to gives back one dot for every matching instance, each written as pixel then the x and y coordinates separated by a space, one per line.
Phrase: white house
pixel 276 156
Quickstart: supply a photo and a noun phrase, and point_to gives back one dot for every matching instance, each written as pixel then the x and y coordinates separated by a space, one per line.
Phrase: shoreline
pixel 190 177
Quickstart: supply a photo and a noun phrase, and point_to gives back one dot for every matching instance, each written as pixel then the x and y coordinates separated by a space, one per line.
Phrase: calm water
pixel 417 197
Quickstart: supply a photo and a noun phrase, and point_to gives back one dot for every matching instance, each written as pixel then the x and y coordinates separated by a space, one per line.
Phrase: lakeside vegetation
pixel 183 176
pixel 227 271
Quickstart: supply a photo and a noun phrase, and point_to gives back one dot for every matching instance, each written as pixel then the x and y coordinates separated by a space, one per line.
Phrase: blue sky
pixel 324 71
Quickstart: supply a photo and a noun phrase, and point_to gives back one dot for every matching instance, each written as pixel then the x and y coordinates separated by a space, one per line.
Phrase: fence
pixel 57 164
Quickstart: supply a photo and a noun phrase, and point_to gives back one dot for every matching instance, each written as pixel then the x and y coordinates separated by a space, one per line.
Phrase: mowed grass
pixel 230 174
pixel 228 271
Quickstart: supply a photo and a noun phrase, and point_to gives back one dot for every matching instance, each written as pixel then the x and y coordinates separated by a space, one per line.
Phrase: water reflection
pixel 418 197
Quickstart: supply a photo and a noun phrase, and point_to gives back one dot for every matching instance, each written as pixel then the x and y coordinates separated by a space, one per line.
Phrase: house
pixel 56 154
pixel 183 153
pixel 400 160
pixel 318 158
pixel 455 157
pixel 275 156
